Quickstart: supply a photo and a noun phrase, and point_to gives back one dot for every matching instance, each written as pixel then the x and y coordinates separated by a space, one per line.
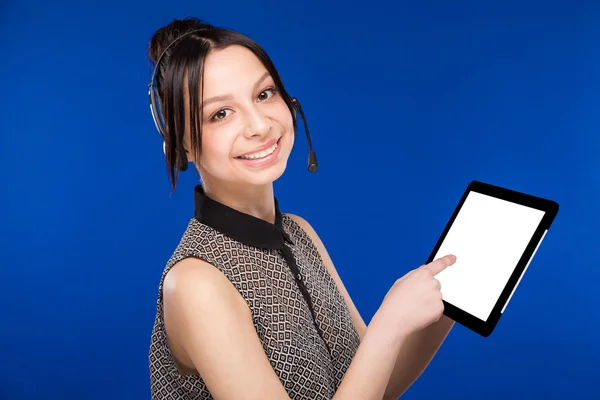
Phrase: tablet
pixel 494 233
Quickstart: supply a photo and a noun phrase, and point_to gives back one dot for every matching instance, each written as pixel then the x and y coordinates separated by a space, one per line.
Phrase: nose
pixel 256 123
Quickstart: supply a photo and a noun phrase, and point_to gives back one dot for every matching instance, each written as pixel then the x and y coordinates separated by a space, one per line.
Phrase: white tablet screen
pixel 488 237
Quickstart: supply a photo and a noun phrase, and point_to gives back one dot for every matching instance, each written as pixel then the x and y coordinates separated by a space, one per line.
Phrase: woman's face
pixel 247 128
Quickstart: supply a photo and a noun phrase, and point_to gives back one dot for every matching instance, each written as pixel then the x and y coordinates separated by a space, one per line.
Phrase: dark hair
pixel 188 55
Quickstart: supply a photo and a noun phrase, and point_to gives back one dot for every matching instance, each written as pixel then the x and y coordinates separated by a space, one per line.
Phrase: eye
pixel 221 114
pixel 264 95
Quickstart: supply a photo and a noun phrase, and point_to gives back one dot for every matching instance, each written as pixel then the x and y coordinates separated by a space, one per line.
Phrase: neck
pixel 257 201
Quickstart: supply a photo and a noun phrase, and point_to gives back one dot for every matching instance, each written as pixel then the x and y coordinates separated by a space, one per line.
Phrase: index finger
pixel 440 264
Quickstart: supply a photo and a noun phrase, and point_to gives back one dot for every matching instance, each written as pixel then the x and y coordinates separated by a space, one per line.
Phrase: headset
pixel 182 162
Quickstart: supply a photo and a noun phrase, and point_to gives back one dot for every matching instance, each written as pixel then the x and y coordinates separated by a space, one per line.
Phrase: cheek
pixel 216 148
pixel 284 116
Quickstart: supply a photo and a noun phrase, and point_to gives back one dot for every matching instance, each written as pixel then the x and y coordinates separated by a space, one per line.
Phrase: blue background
pixel 407 103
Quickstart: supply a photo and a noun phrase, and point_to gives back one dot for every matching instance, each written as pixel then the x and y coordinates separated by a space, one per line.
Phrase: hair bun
pixel 167 34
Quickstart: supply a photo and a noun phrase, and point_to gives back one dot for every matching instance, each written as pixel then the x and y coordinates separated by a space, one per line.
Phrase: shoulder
pixel 193 276
pixel 308 229
pixel 194 282
pixel 296 218
pixel 305 226
pixel 196 233
pixel 195 296
pixel 210 331
pixel 198 245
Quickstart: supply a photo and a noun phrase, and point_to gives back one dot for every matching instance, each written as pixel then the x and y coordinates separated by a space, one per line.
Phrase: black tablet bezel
pixel 550 208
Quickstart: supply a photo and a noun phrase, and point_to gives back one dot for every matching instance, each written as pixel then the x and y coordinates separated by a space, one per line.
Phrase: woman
pixel 250 305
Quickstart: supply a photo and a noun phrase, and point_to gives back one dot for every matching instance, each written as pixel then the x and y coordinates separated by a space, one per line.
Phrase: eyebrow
pixel 228 96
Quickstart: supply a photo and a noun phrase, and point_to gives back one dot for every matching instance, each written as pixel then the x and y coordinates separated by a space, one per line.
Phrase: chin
pixel 267 175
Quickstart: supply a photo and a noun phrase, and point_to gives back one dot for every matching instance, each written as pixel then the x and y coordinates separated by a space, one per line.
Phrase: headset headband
pixel 312 157
pixel 151 85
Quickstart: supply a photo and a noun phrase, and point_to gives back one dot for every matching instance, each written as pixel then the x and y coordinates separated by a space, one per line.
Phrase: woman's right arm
pixel 210 330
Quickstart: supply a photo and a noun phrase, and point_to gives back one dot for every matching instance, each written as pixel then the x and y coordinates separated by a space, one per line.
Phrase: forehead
pixel 231 69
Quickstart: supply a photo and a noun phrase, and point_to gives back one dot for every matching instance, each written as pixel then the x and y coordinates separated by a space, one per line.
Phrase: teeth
pixel 260 154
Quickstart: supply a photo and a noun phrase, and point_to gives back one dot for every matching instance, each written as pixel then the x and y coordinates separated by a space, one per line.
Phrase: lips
pixel 261 151
pixel 261 159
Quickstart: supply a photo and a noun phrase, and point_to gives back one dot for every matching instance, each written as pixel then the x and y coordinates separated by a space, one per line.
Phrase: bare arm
pixel 416 355
pixel 417 350
pixel 210 330
pixel 372 366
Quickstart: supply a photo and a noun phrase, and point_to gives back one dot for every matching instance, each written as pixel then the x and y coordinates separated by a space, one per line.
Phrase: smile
pixel 263 157
pixel 261 154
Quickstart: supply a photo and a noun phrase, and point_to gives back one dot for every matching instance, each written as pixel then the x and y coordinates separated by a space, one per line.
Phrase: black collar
pixel 242 227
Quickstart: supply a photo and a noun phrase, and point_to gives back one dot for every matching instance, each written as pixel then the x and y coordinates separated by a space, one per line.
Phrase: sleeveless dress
pixel 299 315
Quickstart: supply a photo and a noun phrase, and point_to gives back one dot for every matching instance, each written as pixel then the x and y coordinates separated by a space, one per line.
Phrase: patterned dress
pixel 299 315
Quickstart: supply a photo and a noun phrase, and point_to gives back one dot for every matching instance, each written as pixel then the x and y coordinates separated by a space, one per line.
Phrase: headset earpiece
pixel 182 160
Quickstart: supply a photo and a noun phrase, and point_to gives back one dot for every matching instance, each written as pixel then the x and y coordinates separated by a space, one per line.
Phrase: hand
pixel 415 300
